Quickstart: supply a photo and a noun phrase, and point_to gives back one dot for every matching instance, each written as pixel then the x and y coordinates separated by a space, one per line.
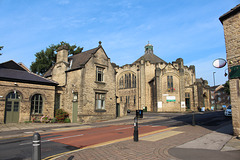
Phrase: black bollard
pixel 36 152
pixel 193 119
pixel 135 134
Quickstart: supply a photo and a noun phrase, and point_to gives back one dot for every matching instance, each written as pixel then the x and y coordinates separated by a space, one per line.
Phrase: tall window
pixel 170 83
pixel 36 104
pixel 57 101
pixel 127 81
pixel 99 74
pixel 100 101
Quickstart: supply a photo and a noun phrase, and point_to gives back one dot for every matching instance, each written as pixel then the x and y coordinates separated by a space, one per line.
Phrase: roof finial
pixel 148 42
pixel 100 43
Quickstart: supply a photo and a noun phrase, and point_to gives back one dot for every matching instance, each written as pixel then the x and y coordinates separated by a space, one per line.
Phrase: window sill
pixel 100 110
pixel 100 82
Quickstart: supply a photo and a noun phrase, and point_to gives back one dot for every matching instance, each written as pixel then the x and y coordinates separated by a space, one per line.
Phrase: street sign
pixel 219 63
pixel 234 72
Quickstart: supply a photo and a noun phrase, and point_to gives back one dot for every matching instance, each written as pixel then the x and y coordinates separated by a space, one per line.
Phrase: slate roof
pixel 152 58
pixel 78 60
pixel 230 13
pixel 11 71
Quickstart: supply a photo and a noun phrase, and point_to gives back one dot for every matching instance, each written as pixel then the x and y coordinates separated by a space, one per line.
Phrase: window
pixel 127 81
pixel 170 83
pixel 99 74
pixel 36 104
pixel 100 101
pixel 187 95
pixel 134 100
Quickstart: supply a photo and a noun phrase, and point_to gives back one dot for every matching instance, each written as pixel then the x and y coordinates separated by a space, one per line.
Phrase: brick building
pixel 24 95
pixel 231 26
pixel 152 83
pixel 86 87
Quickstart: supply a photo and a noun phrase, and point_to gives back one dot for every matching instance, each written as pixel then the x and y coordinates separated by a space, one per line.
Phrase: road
pixel 104 133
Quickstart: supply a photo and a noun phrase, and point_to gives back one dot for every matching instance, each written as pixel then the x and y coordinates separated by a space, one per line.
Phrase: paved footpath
pixel 191 142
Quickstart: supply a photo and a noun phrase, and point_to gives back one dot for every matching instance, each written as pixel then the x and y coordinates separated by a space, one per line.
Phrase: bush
pixel 27 121
pixel 67 120
pixel 54 120
pixel 61 115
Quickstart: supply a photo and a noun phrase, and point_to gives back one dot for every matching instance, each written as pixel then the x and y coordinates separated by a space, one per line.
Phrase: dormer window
pixel 99 76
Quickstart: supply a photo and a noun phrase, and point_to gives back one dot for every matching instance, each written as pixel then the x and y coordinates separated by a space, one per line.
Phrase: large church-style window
pixel 170 83
pixel 128 80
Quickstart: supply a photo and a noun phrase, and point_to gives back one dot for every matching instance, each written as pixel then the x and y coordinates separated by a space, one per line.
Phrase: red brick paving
pixel 142 150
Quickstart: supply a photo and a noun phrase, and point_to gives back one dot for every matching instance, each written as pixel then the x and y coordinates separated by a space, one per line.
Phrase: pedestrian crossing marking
pixel 160 136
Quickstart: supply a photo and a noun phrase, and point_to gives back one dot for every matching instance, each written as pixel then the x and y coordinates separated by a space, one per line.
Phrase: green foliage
pixel 61 115
pixel 226 88
pixel 1 47
pixel 28 122
pixel 54 120
pixel 67 120
pixel 46 59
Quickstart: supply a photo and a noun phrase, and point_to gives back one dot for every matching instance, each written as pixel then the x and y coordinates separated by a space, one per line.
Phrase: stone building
pixel 24 95
pixel 86 87
pixel 153 84
pixel 231 26
pixel 219 98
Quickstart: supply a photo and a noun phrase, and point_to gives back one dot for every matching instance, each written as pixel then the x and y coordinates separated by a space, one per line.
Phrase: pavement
pixel 185 142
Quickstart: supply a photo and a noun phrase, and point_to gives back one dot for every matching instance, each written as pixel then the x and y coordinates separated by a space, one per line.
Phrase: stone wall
pixel 83 82
pixel 231 27
pixel 26 92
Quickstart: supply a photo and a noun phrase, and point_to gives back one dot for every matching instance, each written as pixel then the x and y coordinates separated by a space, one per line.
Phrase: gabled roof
pixel 11 65
pixel 230 13
pixel 78 60
pixel 152 58
pixel 11 71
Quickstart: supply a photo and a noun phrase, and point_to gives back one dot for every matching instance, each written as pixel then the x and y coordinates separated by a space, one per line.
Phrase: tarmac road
pixel 54 143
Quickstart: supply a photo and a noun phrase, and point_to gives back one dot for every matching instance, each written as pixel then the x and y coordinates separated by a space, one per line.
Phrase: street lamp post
pixel 193 114
pixel 215 104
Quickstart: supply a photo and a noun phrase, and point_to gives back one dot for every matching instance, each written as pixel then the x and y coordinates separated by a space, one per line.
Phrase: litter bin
pixel 139 113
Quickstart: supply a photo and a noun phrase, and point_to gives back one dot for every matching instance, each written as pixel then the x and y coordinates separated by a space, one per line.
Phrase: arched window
pixel 128 80
pixel 133 81
pixel 36 104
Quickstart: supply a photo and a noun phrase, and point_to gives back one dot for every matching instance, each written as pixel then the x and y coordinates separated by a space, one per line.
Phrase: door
pixel 12 108
pixel 117 110
pixel 187 102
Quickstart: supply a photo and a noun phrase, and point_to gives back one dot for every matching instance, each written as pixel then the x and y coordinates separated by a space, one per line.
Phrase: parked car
pixel 228 111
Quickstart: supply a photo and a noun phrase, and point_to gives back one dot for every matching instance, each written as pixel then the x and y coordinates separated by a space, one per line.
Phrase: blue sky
pixel 187 29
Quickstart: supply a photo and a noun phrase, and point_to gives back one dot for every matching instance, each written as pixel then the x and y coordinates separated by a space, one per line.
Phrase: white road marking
pixel 123 128
pixel 52 139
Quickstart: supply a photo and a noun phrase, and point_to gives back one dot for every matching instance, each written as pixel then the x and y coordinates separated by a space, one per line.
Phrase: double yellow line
pixel 108 142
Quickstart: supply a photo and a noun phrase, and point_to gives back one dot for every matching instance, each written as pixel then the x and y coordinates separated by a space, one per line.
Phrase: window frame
pixel 37 104
pixel 100 97
pixel 170 84
pixel 99 74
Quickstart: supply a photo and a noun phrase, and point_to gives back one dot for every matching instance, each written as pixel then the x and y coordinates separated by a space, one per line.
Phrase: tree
pixel 1 47
pixel 226 88
pixel 46 59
